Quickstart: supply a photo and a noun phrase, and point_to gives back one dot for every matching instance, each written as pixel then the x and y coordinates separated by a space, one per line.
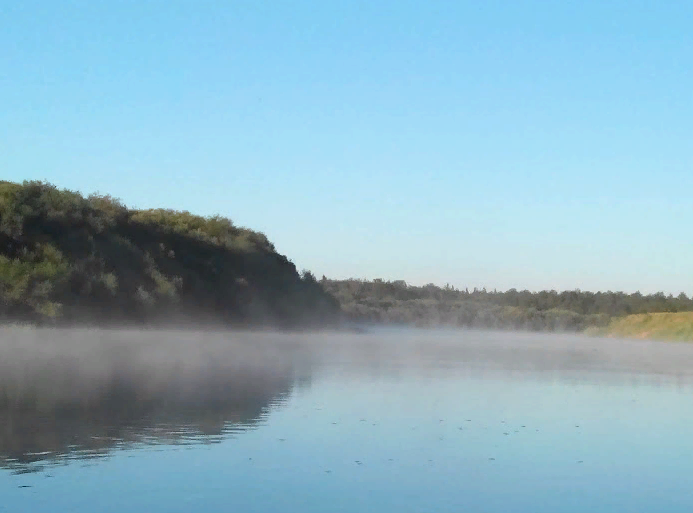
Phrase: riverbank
pixel 655 326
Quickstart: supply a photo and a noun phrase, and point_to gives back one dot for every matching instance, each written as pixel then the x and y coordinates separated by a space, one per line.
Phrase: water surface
pixel 418 421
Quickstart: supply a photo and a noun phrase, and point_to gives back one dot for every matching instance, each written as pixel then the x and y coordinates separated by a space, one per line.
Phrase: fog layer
pixel 63 391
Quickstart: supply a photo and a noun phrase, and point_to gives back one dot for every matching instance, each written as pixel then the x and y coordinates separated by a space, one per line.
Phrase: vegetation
pixel 661 326
pixel 396 302
pixel 67 259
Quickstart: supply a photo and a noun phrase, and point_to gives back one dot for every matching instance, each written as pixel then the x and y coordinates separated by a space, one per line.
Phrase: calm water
pixel 392 421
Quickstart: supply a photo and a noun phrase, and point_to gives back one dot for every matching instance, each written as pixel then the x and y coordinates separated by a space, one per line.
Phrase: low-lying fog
pixel 71 363
pixel 62 391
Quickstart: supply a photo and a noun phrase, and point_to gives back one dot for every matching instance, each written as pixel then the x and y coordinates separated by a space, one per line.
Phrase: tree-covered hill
pixel 69 259
pixel 397 302
pixel 66 259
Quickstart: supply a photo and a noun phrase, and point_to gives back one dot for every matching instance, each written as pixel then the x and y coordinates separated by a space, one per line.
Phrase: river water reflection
pixel 384 421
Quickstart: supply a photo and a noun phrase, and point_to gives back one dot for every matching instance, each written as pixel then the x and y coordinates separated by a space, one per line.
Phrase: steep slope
pixel 68 259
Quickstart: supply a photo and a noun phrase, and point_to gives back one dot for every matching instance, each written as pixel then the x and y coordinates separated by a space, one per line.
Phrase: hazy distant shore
pixel 654 326
pixel 70 261
pixel 600 313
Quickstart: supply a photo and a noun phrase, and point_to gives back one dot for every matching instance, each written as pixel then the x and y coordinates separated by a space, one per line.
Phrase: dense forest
pixel 66 259
pixel 396 302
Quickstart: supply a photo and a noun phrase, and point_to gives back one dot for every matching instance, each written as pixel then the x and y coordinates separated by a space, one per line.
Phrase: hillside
pixel 659 326
pixel 67 259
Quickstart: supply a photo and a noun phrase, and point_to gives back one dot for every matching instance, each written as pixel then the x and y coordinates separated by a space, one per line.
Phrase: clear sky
pixel 527 144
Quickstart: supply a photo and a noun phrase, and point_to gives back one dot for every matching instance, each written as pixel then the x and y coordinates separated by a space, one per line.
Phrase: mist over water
pixel 78 393
pixel 412 420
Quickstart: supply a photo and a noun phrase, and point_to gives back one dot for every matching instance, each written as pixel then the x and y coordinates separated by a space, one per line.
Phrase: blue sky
pixel 527 144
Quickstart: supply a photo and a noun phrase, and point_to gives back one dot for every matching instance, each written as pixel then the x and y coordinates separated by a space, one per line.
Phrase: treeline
pixel 396 302
pixel 69 259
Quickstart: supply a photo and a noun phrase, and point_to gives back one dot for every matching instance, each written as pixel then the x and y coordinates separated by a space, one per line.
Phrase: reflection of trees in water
pixel 55 407
pixel 32 431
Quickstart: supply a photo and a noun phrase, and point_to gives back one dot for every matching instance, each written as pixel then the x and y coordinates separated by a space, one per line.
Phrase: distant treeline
pixel 69 259
pixel 66 259
pixel 396 302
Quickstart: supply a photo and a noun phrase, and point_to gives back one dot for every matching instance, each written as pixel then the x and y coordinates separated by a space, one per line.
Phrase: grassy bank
pixel 660 326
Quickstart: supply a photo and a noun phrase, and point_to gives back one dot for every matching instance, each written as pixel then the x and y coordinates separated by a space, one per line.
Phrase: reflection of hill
pixel 87 393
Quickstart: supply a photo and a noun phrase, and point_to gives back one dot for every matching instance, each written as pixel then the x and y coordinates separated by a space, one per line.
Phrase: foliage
pixel 69 259
pixel 664 326
pixel 397 302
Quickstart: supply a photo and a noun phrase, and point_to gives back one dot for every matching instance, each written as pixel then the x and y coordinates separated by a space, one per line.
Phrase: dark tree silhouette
pixel 67 259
